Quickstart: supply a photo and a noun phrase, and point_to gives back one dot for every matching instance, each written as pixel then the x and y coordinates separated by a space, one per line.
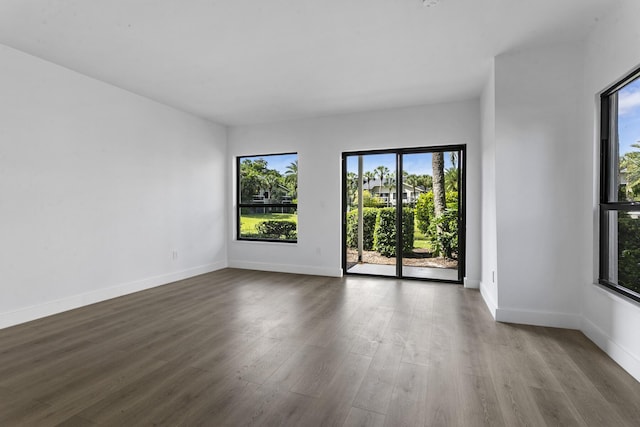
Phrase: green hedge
pixel 445 242
pixel 385 231
pixel 277 229
pixel 425 208
pixel 369 223
pixel 628 252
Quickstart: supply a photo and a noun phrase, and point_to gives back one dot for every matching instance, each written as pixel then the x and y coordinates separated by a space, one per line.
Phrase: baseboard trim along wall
pixel 471 283
pixel 34 312
pixel 539 318
pixel 622 356
pixel 488 300
pixel 287 268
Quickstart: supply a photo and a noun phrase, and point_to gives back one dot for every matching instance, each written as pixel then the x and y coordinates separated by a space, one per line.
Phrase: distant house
pixel 264 196
pixel 387 192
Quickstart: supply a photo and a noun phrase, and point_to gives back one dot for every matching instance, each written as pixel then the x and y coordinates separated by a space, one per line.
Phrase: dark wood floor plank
pixel 238 347
pixel 376 389
pixel 360 418
pixel 556 408
pixel 407 406
pixel 332 406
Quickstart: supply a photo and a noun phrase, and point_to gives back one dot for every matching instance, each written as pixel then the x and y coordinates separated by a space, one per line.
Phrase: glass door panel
pixel 430 194
pixel 370 200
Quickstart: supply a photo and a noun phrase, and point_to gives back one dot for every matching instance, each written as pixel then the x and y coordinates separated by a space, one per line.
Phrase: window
pixel 620 187
pixel 268 197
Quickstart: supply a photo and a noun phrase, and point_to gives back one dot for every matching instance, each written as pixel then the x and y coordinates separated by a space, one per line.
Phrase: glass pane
pixel 431 246
pixel 269 179
pixel 374 251
pixel 624 249
pixel 269 223
pixel 628 147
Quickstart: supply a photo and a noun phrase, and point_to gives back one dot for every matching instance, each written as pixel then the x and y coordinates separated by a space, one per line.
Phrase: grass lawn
pixel 248 222
pixel 420 241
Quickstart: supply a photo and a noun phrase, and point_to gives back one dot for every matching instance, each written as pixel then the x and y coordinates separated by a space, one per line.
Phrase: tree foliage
pixel 628 252
pixel 255 176
pixel 630 168
pixel 441 230
pixel 291 178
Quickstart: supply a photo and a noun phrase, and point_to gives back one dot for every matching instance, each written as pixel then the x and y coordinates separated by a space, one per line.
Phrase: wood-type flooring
pixel 238 347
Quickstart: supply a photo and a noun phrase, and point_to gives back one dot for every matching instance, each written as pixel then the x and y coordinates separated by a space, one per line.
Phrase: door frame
pixel 462 207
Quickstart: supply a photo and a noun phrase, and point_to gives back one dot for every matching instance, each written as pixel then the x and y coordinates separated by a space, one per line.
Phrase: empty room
pixel 340 213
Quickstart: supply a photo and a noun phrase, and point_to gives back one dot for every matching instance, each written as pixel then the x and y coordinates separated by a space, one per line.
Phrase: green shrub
pixel 444 243
pixel 369 201
pixel 277 229
pixel 369 222
pixel 443 233
pixel 385 231
pixel 408 230
pixel 426 209
pixel 628 252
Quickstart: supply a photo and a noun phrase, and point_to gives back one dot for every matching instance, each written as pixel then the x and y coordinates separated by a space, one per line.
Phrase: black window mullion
pixel 604 150
pixel 399 213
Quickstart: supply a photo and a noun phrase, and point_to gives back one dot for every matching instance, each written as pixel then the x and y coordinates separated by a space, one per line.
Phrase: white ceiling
pixel 249 61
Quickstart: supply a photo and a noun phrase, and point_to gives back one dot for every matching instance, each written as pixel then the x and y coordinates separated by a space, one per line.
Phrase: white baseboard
pixel 488 300
pixel 539 318
pixel 471 283
pixel 623 357
pixel 287 268
pixel 49 308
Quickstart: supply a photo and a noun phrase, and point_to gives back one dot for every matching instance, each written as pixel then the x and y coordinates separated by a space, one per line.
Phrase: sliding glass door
pixel 404 213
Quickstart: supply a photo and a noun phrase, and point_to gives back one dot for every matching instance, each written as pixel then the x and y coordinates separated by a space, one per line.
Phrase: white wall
pixel 98 187
pixel 539 229
pixel 319 143
pixel 612 51
pixel 489 253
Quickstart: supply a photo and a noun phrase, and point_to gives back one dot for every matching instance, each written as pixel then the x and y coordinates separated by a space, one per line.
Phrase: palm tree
pixel 412 180
pixel 439 200
pixel 270 180
pixel 391 182
pixel 453 156
pixel 369 176
pixel 425 181
pixel 381 171
pixel 451 179
pixel 630 168
pixel 352 186
pixel 291 177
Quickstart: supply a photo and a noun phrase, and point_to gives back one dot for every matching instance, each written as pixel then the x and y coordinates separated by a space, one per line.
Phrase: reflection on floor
pixel 407 271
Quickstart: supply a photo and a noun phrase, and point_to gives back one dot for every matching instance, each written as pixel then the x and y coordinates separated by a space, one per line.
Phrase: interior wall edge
pixel 50 308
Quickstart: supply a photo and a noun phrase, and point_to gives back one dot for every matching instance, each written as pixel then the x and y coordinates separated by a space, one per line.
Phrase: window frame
pixel 241 205
pixel 608 176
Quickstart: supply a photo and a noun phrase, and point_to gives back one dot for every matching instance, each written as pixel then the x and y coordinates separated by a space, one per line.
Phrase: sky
pixel 416 164
pixel 629 116
pixel 278 162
